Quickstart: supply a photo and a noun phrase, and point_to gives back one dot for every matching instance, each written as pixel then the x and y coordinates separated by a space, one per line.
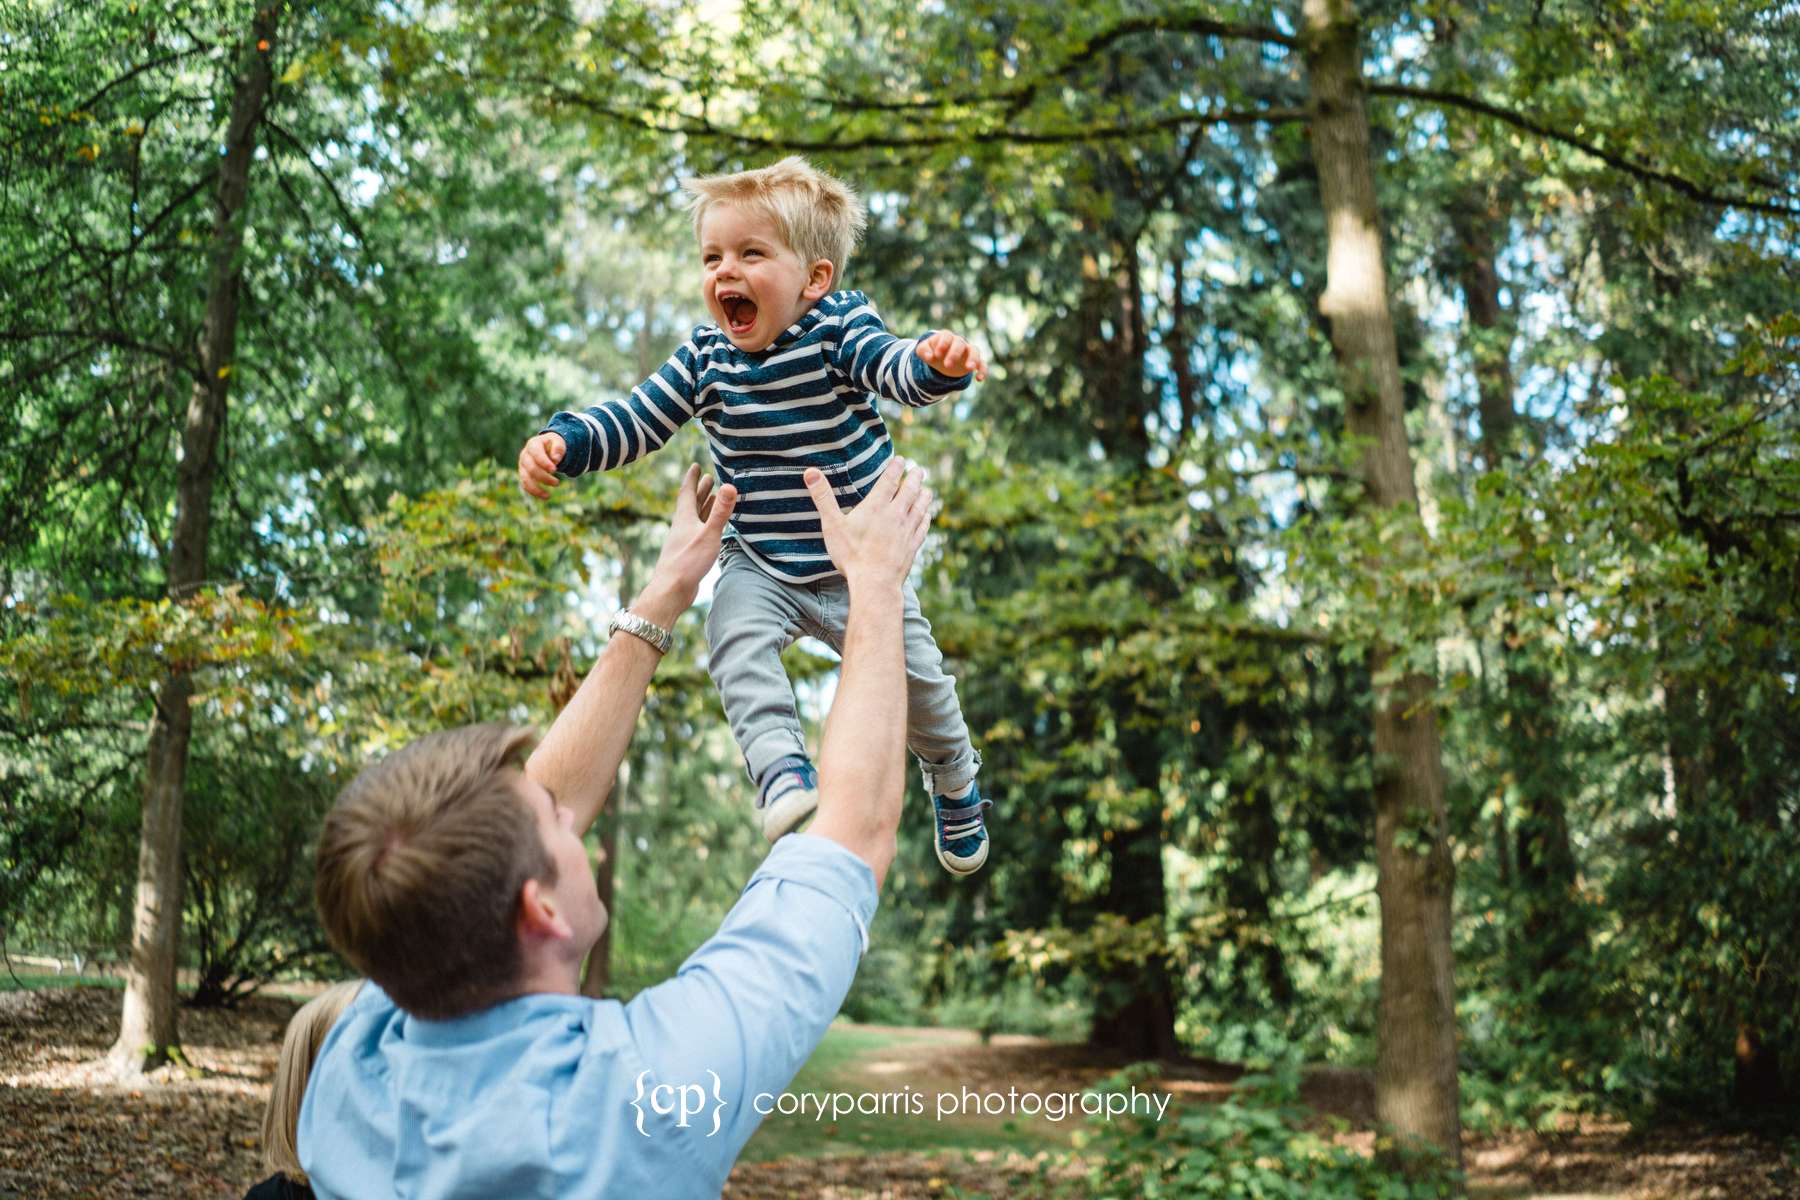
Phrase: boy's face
pixel 754 283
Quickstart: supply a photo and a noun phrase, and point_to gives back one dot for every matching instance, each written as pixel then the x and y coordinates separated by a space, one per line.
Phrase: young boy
pixel 782 380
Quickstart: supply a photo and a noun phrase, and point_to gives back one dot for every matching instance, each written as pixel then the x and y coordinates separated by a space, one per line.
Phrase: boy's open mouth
pixel 740 313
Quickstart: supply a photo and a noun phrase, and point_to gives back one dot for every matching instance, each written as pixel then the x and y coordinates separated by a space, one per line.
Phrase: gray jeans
pixel 755 617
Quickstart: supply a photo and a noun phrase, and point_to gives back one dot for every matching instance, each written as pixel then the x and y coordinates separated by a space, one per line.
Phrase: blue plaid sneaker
pixel 962 840
pixel 789 795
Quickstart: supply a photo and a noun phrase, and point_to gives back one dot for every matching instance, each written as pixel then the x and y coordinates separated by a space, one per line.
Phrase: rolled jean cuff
pixel 769 747
pixel 944 777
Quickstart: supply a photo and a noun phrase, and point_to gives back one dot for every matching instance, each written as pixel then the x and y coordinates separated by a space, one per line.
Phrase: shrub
pixel 1258 1143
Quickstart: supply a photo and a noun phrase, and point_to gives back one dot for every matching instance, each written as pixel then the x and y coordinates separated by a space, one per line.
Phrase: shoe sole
pixel 788 812
pixel 964 866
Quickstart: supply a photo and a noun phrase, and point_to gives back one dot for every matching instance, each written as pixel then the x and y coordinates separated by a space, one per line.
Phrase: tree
pixel 147 1036
pixel 1415 1089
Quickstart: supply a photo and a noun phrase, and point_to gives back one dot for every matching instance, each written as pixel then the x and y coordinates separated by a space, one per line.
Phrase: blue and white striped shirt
pixel 805 401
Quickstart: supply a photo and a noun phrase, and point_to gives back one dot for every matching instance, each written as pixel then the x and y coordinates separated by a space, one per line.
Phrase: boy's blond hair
pixel 420 865
pixel 817 216
pixel 306 1032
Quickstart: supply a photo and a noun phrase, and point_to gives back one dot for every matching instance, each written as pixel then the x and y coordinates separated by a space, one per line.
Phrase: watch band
pixel 631 623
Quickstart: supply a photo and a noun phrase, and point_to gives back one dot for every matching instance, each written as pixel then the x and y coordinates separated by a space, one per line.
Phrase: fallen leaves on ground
pixel 68 1129
pixel 893 1177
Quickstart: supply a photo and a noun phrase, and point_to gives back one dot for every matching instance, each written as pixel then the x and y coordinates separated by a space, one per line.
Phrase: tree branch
pixel 105 337
pixel 1669 179
pixel 1173 23
pixel 350 221
pixel 88 104
pixel 700 127
pixel 1021 96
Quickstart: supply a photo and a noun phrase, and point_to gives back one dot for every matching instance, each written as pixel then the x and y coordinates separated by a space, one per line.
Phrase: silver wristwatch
pixel 631 623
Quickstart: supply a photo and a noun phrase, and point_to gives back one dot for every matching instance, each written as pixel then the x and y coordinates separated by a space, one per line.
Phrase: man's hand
pixel 950 355
pixel 875 542
pixel 862 770
pixel 538 461
pixel 689 549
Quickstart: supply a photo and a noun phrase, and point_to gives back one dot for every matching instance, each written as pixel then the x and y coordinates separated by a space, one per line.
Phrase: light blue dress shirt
pixel 562 1097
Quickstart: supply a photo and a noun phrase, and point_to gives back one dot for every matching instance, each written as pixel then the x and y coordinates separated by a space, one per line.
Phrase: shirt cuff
pixel 933 381
pixel 577 442
pixel 826 866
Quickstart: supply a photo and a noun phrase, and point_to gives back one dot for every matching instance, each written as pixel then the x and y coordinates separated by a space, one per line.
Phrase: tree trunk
pixel 1135 402
pixel 1134 1002
pixel 1134 1007
pixel 1415 1075
pixel 596 979
pixel 1756 1075
pixel 147 1033
pixel 1475 222
pixel 1551 933
pixel 1112 354
pixel 1250 884
pixel 1187 394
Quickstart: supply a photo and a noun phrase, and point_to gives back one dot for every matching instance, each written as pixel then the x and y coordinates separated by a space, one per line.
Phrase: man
pixel 458 884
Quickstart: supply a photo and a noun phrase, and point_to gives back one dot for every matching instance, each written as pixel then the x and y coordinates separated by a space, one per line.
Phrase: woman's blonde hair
pixel 305 1034
pixel 817 216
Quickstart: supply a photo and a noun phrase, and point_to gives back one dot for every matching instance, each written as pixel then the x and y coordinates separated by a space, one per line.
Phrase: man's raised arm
pixel 580 755
pixel 862 756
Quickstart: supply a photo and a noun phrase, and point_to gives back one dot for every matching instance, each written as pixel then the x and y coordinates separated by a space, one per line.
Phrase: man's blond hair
pixel 299 1047
pixel 817 216
pixel 420 866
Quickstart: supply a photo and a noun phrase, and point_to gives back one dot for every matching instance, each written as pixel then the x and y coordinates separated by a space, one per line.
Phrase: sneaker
pixel 790 794
pixel 962 840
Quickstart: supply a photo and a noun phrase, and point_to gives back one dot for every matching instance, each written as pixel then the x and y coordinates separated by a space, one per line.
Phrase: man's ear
pixel 819 279
pixel 539 916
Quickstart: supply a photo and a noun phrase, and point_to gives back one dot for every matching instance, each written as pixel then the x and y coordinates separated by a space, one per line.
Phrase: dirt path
pixel 65 1131
pixel 1591 1160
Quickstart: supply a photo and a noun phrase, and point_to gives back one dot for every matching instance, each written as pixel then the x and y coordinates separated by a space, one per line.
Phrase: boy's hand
pixel 538 462
pixel 948 354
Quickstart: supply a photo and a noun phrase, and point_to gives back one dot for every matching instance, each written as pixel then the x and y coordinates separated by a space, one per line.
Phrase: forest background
pixel 1370 567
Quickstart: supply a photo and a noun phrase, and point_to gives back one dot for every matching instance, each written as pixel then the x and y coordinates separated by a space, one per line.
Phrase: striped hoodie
pixel 807 400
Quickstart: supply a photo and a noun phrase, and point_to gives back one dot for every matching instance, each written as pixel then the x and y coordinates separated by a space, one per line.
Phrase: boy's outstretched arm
pixel 580 755
pixel 910 373
pixel 604 436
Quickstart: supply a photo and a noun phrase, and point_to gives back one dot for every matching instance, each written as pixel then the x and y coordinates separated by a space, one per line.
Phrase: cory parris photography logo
pixel 682 1101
